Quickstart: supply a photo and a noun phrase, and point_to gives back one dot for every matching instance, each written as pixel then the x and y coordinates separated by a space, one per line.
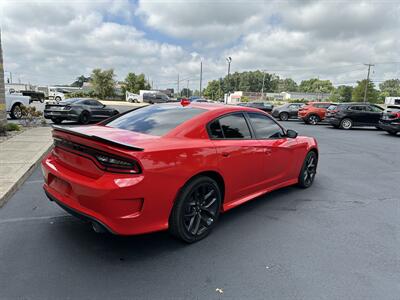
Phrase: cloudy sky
pixel 53 42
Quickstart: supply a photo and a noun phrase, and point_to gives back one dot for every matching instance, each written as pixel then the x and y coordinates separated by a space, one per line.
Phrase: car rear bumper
pixel 333 121
pixel 390 126
pixel 65 115
pixel 121 203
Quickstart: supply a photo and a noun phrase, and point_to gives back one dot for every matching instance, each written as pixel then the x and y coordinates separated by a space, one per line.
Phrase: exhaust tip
pixel 98 228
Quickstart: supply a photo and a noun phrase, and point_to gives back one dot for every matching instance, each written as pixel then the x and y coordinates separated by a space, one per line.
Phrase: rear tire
pixel 284 116
pixel 57 99
pixel 346 124
pixel 313 119
pixel 57 120
pixel 308 170
pixel 391 132
pixel 196 210
pixel 16 111
pixel 84 118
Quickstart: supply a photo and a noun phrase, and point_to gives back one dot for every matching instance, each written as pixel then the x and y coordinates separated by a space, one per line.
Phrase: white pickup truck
pixel 14 102
pixel 132 97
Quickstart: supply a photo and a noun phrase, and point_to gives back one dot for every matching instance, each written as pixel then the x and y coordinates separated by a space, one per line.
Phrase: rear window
pixel 155 119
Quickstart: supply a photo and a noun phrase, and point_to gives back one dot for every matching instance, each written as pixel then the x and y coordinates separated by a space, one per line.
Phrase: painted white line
pixel 14 220
pixel 35 181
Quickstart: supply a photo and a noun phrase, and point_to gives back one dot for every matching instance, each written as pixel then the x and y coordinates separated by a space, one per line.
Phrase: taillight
pixel 108 162
pixel 114 164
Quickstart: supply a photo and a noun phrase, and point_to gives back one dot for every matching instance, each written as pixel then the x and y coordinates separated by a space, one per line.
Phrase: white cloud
pixel 54 42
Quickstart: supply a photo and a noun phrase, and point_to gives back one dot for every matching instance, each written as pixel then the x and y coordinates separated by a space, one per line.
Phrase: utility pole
pixel 178 87
pixel 367 82
pixel 262 89
pixel 3 114
pixel 201 75
pixel 187 89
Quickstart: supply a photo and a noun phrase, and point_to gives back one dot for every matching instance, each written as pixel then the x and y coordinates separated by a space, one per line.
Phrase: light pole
pixel 201 75
pixel 262 89
pixel 229 60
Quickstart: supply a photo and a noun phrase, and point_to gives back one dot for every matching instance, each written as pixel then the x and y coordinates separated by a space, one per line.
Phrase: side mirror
pixel 291 133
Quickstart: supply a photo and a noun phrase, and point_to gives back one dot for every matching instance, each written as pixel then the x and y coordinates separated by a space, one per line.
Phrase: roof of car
pixel 216 106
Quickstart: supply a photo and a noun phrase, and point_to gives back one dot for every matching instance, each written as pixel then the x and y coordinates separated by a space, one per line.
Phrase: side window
pixel 356 108
pixel 235 127
pixel 264 127
pixel 216 130
pixel 375 108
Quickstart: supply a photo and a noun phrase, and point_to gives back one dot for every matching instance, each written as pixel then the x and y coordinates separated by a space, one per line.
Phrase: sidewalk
pixel 19 156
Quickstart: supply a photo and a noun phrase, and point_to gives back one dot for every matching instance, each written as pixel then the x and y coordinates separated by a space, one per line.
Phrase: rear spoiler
pixel 70 130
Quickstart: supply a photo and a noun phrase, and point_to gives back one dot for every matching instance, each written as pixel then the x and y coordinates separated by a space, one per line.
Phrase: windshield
pixel 155 119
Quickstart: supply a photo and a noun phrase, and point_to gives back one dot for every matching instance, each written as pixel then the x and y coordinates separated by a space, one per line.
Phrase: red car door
pixel 279 151
pixel 240 156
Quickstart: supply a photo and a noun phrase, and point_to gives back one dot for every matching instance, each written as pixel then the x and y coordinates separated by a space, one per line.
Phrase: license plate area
pixel 59 185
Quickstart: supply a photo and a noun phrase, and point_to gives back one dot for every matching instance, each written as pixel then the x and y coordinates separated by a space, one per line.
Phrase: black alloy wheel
pixel 196 210
pixel 84 118
pixel 308 170
pixel 57 120
pixel 284 116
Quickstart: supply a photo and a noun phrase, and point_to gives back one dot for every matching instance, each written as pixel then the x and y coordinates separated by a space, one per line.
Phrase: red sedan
pixel 173 166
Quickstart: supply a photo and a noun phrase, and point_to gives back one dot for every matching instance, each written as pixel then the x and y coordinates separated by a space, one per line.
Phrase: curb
pixel 7 195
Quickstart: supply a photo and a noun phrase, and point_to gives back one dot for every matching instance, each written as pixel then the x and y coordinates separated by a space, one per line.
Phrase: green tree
pixel 103 82
pixel 286 85
pixel 358 92
pixel 3 114
pixel 314 85
pixel 80 81
pixel 134 83
pixel 214 90
pixel 342 93
pixel 391 87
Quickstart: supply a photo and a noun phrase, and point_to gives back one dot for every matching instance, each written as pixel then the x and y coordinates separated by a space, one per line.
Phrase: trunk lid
pixel 93 150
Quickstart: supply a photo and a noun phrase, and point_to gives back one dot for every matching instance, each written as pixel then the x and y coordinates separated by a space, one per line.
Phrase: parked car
pixel 286 111
pixel 173 166
pixel 82 110
pixel 348 115
pixel 155 98
pixel 313 112
pixel 264 106
pixel 14 103
pixel 390 120
pixel 132 97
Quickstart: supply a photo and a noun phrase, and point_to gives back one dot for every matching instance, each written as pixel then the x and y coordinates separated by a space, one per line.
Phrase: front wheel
pixel 16 112
pixel 308 170
pixel 196 210
pixel 283 116
pixel 84 118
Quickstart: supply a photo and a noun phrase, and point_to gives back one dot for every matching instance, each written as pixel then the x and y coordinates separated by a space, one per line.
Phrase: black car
pixel 83 110
pixel 390 120
pixel 265 106
pixel 348 115
pixel 286 111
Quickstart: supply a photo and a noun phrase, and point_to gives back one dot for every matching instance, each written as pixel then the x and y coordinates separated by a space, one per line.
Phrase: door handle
pixel 225 154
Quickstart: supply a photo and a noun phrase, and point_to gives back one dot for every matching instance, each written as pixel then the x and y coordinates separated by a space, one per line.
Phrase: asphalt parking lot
pixel 338 239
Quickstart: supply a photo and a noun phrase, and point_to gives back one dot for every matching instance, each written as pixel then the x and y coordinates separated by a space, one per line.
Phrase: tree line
pixel 257 81
pixel 103 83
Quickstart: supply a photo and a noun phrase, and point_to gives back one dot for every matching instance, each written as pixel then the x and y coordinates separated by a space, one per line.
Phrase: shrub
pixel 30 116
pixel 12 127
